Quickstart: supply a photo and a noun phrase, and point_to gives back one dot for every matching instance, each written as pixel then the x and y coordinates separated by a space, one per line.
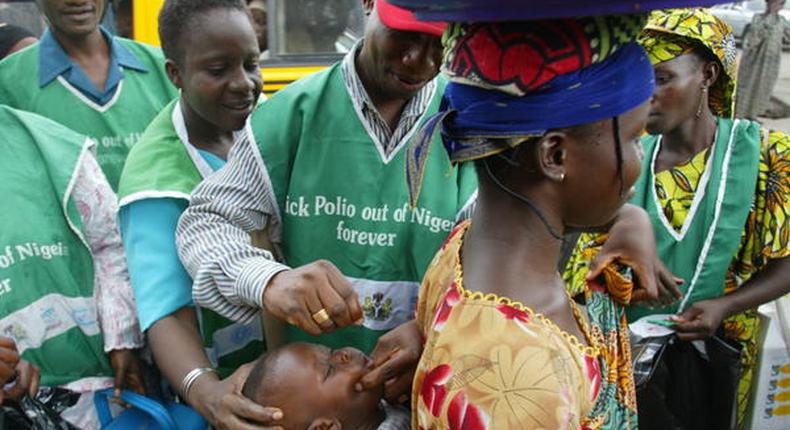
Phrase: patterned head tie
pixel 511 82
pixel 672 33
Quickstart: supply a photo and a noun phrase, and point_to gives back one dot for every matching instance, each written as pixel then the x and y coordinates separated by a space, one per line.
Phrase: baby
pixel 314 388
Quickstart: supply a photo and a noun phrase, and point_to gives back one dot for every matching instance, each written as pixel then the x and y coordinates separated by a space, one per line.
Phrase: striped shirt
pixel 387 140
pixel 212 236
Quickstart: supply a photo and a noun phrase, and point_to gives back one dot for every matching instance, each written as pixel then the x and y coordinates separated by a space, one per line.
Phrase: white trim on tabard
pixel 152 194
pixel 699 194
pixel 86 147
pixel 406 138
pixel 276 233
pixel 181 130
pixel 716 213
pixel 467 209
pixel 64 313
pixel 93 105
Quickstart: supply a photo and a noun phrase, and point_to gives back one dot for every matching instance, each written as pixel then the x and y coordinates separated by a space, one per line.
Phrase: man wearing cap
pixel 326 172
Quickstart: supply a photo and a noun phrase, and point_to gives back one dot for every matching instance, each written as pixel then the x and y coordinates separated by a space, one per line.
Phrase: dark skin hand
pixel 177 347
pixel 631 242
pixel 232 408
pixel 296 295
pixel 395 359
pixel 12 368
pixel 127 370
pixel 703 318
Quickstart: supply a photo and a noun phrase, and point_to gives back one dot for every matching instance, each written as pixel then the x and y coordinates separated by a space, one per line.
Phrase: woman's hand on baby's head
pixel 395 359
pixel 228 409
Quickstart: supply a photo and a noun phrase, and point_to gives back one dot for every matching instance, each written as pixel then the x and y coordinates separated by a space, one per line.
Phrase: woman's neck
pixel 206 136
pixel 508 247
pixel 687 139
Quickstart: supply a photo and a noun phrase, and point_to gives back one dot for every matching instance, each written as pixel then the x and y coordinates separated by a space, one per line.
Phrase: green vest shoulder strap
pixel 159 165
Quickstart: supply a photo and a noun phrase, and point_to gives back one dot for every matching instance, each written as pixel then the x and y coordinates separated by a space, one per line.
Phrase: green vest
pixel 342 200
pixel 115 126
pixel 702 251
pixel 46 268
pixel 164 165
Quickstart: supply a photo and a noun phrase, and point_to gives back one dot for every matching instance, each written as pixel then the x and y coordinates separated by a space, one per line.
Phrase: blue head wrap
pixel 477 122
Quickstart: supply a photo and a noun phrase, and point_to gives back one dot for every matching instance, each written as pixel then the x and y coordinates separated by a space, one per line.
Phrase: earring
pixel 702 100
pixel 562 177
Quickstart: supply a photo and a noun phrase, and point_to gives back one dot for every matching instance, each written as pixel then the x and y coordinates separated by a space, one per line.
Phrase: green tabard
pixel 46 268
pixel 115 126
pixel 342 199
pixel 703 250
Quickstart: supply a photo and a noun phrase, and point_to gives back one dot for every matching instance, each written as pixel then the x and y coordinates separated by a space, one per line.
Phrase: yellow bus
pixel 303 36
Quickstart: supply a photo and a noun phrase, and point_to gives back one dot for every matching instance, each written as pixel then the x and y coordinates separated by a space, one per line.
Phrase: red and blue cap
pixel 402 19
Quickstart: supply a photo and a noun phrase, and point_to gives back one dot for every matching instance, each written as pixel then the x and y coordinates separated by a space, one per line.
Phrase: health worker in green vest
pixel 216 71
pixel 105 87
pixel 717 190
pixel 326 170
pixel 65 297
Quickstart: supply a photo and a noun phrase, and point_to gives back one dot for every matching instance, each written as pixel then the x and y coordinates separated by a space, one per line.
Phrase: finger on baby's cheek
pixel 368 381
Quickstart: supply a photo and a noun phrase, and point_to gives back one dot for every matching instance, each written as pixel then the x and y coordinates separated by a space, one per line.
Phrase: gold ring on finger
pixel 321 316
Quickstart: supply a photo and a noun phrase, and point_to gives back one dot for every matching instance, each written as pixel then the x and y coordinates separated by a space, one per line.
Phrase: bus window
pixel 300 28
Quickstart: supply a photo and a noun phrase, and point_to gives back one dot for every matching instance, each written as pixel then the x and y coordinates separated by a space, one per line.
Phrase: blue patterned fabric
pixel 597 92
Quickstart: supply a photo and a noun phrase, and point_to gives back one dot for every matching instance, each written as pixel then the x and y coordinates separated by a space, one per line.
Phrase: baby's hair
pixel 256 378
pixel 175 20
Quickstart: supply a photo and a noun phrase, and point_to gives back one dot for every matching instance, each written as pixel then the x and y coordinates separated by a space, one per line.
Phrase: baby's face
pixel 308 381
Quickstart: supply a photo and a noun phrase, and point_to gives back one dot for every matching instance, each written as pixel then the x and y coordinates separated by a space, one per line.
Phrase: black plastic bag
pixel 41 413
pixel 686 388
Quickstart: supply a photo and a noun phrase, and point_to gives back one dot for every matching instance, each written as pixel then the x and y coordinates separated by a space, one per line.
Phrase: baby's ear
pixel 325 424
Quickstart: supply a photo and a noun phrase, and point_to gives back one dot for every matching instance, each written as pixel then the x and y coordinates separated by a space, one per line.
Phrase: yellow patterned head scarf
pixel 672 33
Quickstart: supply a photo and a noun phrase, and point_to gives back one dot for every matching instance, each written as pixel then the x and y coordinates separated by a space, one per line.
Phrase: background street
pixel 782 92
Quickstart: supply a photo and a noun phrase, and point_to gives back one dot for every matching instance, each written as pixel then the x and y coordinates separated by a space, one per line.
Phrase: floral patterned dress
pixel 765 236
pixel 493 363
